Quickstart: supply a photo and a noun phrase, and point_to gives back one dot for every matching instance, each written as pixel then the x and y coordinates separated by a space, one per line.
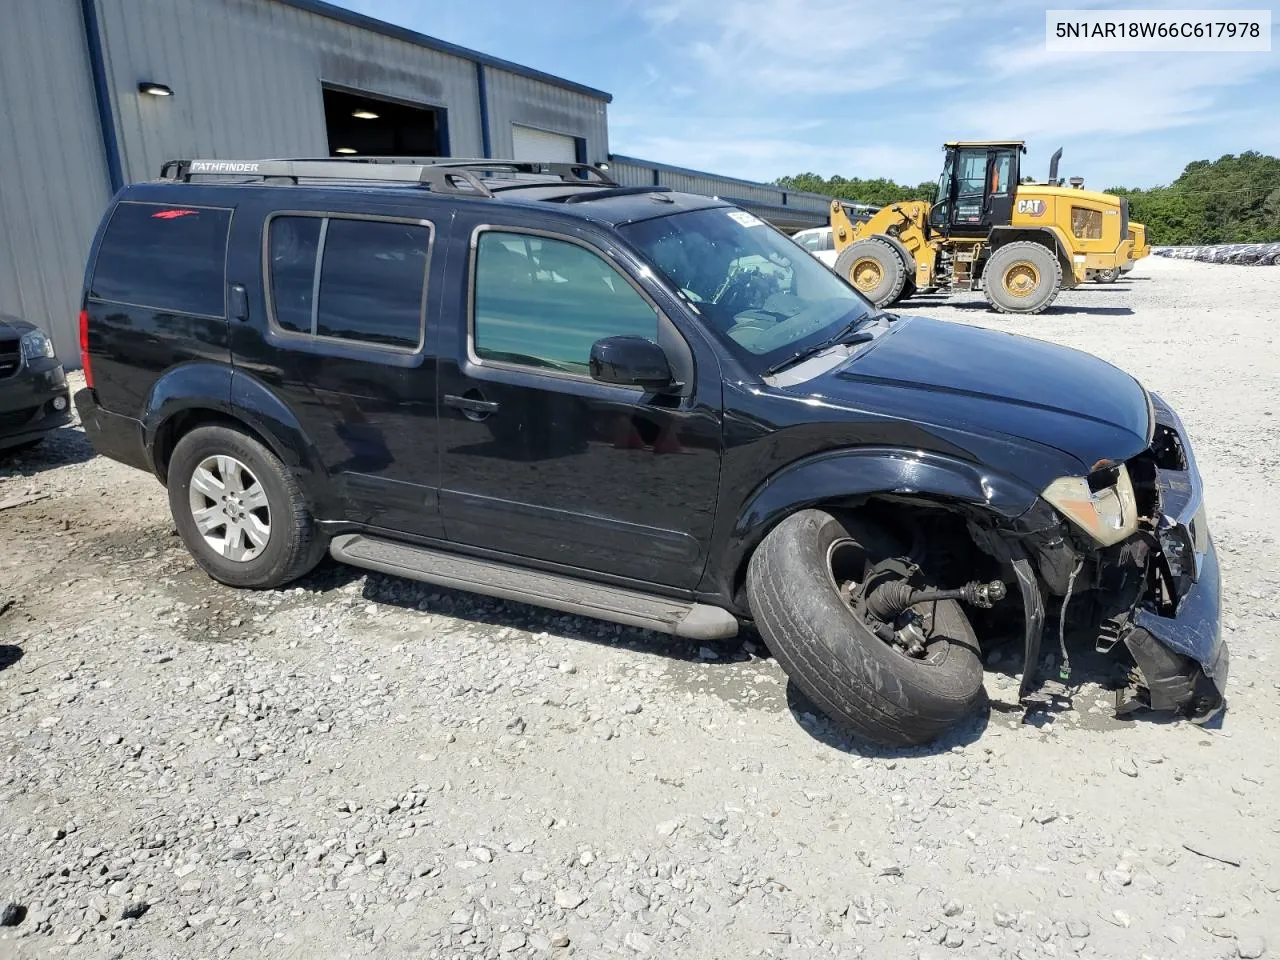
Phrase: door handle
pixel 471 405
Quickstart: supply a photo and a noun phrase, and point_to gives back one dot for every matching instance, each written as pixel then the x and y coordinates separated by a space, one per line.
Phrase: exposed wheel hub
pixel 1021 279
pixel 866 273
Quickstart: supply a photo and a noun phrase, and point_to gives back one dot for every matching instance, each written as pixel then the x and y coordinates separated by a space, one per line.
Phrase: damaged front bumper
pixel 1158 593
pixel 1178 644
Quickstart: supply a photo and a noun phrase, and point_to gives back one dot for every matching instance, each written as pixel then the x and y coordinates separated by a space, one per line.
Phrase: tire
pixel 292 543
pixel 908 291
pixel 1107 276
pixel 829 653
pixel 1022 260
pixel 874 268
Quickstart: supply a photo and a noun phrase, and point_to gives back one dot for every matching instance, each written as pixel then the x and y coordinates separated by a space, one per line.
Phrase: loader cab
pixel 977 187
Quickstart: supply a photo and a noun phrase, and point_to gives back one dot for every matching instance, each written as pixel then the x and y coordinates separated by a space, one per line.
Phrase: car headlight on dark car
pixel 1102 505
pixel 35 345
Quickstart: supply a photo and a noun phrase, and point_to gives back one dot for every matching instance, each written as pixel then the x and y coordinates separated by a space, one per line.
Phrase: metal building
pixel 98 93
pixel 101 92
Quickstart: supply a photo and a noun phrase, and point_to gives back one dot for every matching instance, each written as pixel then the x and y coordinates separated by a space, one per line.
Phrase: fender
pixel 232 392
pixel 862 472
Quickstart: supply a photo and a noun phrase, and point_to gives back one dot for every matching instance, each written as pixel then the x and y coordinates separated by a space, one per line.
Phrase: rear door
pixel 341 337
pixel 157 297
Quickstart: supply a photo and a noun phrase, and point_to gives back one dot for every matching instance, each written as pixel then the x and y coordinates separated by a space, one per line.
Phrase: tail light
pixel 84 348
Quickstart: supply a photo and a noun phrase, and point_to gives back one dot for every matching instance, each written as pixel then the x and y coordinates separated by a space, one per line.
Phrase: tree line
pixel 1234 199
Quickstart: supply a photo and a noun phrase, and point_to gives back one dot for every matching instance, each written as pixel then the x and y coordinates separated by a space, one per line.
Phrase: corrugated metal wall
pixel 786 209
pixel 53 175
pixel 247 79
pixel 516 99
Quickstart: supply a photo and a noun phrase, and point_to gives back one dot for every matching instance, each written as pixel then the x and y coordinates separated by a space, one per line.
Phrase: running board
pixel 684 618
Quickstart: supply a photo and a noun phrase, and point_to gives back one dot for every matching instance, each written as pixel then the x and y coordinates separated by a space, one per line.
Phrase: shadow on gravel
pixel 58 448
pixel 813 722
pixel 9 655
pixel 1056 311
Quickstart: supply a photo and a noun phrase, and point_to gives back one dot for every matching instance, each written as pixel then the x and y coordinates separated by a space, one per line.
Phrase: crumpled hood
pixel 991 382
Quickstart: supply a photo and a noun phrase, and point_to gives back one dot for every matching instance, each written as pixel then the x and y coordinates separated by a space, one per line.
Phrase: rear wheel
pixel 874 268
pixel 1110 275
pixel 240 512
pixel 1022 277
pixel 798 582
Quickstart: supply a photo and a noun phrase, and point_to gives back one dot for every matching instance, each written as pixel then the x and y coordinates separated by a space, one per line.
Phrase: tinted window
pixel 169 257
pixel 292 252
pixel 372 281
pixel 545 302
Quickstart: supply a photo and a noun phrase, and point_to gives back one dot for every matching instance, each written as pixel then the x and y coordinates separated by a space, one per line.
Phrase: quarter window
pixel 543 303
pixel 348 278
pixel 169 257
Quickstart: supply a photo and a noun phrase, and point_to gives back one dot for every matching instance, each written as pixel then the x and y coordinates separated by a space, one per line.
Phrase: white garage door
pixel 531 144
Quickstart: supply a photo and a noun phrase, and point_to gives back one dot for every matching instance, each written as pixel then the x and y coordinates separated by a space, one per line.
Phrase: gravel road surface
pixel 362 766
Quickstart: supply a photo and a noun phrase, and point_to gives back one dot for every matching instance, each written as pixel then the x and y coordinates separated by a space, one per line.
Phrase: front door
pixel 343 345
pixel 542 462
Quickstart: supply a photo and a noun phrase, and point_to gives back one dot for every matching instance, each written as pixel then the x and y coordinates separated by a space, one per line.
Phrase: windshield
pixel 758 292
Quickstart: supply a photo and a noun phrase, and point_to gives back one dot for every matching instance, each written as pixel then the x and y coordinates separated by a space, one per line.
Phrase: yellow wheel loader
pixel 1019 243
pixel 1139 247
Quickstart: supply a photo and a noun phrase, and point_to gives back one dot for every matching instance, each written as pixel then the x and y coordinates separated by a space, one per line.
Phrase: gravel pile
pixel 363 766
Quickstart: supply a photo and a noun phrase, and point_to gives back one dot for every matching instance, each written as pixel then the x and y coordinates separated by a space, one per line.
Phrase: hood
pixel 11 327
pixel 994 383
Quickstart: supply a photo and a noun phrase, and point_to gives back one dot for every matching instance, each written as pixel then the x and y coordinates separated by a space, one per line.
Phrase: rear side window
pixel 348 278
pixel 172 258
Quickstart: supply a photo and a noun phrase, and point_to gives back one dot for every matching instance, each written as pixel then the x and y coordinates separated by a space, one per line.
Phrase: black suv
pixel 527 381
pixel 33 387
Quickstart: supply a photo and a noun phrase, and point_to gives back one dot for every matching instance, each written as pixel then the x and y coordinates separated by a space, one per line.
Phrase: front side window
pixel 542 302
pixel 169 257
pixel 759 294
pixel 350 279
pixel 971 186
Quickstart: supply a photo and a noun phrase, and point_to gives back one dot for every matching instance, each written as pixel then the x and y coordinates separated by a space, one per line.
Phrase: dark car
pixel 527 381
pixel 33 387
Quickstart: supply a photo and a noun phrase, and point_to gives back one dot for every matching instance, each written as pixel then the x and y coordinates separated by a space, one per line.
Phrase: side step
pixel 684 618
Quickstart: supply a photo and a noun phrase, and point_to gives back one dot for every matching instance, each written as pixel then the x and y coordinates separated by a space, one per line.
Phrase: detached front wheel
pixel 798 584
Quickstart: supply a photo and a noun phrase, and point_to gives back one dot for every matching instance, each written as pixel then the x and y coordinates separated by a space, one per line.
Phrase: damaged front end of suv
pixel 1125 553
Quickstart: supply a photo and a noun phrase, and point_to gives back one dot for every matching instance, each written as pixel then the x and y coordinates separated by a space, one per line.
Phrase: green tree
pixel 1234 199
pixel 877 192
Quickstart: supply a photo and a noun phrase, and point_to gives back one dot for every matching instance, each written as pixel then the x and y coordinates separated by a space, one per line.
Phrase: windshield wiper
pixel 844 335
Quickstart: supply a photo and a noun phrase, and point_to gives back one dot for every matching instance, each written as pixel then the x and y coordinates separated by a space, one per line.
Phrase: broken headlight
pixel 1101 504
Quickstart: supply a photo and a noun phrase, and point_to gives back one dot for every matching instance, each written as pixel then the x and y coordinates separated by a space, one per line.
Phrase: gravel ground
pixel 362 765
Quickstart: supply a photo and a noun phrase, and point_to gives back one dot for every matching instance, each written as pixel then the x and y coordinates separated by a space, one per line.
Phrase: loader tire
pixel 874 268
pixel 829 652
pixel 1022 277
pixel 1107 276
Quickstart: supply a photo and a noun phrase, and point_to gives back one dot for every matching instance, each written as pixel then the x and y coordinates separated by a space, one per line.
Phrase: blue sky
pixel 763 88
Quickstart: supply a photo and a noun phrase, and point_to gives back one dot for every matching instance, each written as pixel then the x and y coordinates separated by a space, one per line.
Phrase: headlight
pixel 35 346
pixel 1108 515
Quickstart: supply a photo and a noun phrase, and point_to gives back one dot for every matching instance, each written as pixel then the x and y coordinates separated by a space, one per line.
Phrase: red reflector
pixel 173 214
pixel 84 348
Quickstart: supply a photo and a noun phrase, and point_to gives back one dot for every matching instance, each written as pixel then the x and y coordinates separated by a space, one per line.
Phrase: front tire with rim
pixel 826 648
pixel 874 268
pixel 240 512
pixel 1022 277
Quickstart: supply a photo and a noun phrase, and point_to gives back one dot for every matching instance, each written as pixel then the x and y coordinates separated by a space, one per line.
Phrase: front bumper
pixel 33 401
pixel 1179 649
pixel 1158 593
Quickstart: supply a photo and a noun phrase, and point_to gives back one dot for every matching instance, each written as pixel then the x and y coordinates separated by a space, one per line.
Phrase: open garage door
pixel 361 124
pixel 529 143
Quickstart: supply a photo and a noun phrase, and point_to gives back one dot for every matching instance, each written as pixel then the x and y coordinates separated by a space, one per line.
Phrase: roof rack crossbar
pixel 613 192
pixel 441 174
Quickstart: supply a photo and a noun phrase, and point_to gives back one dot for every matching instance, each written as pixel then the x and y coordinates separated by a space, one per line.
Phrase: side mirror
pixel 630 362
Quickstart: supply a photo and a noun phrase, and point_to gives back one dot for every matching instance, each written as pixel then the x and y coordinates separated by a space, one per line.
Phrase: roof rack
pixel 439 174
